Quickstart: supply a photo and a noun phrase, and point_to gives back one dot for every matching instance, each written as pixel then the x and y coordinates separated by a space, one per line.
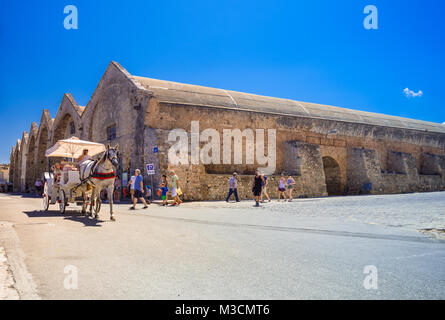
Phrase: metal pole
pixel 152 187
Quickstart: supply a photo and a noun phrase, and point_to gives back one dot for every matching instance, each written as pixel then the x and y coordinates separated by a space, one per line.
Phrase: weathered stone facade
pixel 328 150
pixel 4 173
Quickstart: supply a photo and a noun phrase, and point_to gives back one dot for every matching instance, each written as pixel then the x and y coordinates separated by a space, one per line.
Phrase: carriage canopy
pixel 73 148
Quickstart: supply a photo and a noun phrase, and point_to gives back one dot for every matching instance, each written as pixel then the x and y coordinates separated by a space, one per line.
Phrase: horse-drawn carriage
pixel 81 185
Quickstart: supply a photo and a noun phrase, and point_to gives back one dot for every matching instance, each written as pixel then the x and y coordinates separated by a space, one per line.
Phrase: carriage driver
pixel 84 157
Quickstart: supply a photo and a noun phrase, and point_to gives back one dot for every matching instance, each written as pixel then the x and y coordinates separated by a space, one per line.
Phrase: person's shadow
pixel 69 215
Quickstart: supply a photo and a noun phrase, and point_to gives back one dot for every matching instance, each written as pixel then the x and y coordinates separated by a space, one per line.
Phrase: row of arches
pixel 27 160
pixel 109 115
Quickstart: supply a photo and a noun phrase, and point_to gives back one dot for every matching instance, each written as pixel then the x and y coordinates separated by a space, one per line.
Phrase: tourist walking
pixel 164 191
pixel 290 187
pixel 175 188
pixel 282 188
pixel 264 189
pixel 148 193
pixel 38 185
pixel 138 190
pixel 117 189
pixel 165 183
pixel 257 186
pixel 233 187
pixel 131 186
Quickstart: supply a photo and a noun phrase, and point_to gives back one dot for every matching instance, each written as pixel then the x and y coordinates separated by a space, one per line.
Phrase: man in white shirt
pixel 131 186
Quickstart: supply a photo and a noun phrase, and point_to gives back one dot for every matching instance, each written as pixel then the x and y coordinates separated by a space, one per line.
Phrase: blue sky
pixel 315 51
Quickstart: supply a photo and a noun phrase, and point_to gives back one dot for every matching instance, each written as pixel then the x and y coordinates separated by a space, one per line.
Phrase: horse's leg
pixel 93 195
pixel 97 198
pixel 110 191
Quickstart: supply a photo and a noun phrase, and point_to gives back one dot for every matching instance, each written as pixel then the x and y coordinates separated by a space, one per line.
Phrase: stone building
pixel 4 173
pixel 328 150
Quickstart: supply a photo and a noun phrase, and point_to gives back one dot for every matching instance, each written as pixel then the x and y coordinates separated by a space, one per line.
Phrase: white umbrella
pixel 73 148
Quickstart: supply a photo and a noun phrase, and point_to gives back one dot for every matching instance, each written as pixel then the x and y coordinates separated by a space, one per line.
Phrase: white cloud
pixel 411 94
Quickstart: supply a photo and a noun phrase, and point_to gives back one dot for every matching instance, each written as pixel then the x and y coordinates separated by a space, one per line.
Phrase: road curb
pixel 23 280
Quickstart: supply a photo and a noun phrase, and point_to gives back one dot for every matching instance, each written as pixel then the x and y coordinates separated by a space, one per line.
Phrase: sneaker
pixel 132 208
pixel 145 207
pixel 257 204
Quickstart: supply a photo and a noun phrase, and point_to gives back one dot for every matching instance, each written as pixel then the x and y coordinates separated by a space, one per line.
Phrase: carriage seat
pixel 70 178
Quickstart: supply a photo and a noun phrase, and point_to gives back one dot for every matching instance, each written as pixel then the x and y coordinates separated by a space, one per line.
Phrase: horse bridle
pixel 110 175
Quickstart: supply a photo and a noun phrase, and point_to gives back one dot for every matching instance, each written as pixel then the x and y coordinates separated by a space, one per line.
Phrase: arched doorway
pixel 64 129
pixel 332 174
pixel 30 167
pixel 41 160
pixel 17 168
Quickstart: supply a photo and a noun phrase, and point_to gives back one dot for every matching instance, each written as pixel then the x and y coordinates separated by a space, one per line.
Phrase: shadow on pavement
pixel 73 216
pixel 24 195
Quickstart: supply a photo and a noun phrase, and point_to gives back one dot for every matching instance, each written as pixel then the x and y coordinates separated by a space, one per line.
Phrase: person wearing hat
pixel 233 187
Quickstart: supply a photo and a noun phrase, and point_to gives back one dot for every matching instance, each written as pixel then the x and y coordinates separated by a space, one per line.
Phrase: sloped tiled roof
pixel 179 93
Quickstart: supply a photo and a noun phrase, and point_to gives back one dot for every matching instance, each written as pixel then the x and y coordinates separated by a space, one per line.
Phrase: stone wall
pixel 363 168
pixel 324 155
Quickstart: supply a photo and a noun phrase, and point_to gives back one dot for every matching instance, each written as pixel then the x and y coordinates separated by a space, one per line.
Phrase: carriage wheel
pixel 45 197
pixel 97 205
pixel 62 201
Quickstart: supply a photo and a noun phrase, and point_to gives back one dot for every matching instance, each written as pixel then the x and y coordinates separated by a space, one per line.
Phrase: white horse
pixel 101 174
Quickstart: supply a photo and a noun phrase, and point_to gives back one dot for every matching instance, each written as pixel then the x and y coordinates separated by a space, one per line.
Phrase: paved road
pixel 307 249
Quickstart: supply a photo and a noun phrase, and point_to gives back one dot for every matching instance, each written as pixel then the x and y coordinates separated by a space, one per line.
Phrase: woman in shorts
pixel 290 187
pixel 282 188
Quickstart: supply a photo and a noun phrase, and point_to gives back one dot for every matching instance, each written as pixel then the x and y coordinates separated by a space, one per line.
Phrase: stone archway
pixel 17 166
pixel 30 167
pixel 63 129
pixel 41 161
pixel 332 174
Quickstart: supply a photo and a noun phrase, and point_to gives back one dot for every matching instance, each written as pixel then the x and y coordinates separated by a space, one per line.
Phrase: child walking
pixel 164 191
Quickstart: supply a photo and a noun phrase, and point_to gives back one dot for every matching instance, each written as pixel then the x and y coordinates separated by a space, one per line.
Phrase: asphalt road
pixel 307 249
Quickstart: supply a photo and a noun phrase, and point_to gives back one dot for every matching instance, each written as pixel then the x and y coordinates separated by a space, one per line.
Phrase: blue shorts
pixel 138 193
